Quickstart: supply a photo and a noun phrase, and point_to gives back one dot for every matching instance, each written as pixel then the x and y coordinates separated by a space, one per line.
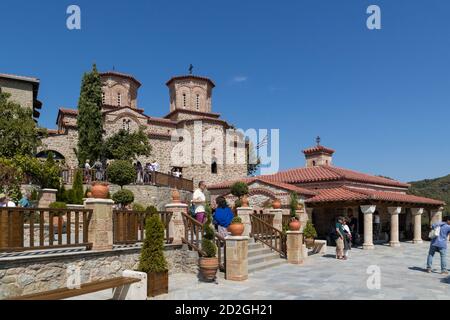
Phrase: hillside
pixel 438 188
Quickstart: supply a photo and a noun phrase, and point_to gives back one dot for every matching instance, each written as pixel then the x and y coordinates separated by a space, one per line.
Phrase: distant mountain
pixel 438 188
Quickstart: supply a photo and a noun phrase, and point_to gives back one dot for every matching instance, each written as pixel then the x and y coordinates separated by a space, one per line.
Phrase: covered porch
pixel 401 217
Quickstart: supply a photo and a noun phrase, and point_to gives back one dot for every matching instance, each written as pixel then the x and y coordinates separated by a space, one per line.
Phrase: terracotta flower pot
pixel 99 190
pixel 236 229
pixel 244 201
pixel 208 268
pixel 276 204
pixel 176 198
pixel 89 194
pixel 309 242
pixel 295 225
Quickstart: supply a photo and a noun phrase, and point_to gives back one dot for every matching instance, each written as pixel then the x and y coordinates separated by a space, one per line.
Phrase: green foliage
pixel 10 177
pixel 58 205
pixel 121 172
pixel 293 204
pixel 152 255
pixel 76 194
pixel 237 203
pixel 309 231
pixel 208 246
pixel 61 194
pixel 89 120
pixel 34 195
pixel 438 189
pixel 19 134
pixel 123 197
pixel 127 146
pixel 138 207
pixel 236 220
pixel 152 209
pixel 45 174
pixel 238 189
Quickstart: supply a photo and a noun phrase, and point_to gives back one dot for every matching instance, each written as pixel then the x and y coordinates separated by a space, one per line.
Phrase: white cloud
pixel 240 79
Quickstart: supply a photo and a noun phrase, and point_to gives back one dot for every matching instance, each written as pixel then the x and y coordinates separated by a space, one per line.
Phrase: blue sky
pixel 380 98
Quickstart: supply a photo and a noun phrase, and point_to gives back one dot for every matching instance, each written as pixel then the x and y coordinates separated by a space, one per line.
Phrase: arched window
pixel 214 167
pixel 119 99
pixel 184 100
pixel 198 102
pixel 314 163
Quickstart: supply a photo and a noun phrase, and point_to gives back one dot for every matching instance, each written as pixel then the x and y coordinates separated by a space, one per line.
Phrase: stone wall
pixel 27 275
pixel 64 144
pixel 21 91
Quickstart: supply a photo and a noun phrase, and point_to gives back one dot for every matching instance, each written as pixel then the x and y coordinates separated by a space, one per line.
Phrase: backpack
pixel 435 232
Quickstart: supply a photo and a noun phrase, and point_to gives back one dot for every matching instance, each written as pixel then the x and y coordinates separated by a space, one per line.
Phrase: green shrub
pixel 34 196
pixel 236 220
pixel 238 189
pixel 208 246
pixel 309 231
pixel 152 255
pixel 237 203
pixel 138 207
pixel 293 204
pixel 76 194
pixel 61 195
pixel 151 209
pixel 121 172
pixel 58 205
pixel 123 197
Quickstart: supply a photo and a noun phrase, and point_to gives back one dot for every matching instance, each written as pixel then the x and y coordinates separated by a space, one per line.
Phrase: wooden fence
pixel 23 229
pixel 129 226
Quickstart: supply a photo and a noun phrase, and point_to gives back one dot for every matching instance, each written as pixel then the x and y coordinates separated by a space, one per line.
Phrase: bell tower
pixel 318 155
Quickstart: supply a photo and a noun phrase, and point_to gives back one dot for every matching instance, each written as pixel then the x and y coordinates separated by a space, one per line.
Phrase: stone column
pixel 394 212
pixel 46 197
pixel 100 231
pixel 236 258
pixel 294 244
pixel 417 219
pixel 304 217
pixel 309 212
pixel 277 218
pixel 244 213
pixel 436 215
pixel 176 224
pixel 368 211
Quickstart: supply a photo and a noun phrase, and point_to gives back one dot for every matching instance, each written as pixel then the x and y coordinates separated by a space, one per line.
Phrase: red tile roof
pixel 318 149
pixel 250 180
pixel 344 193
pixel 330 173
pixel 190 76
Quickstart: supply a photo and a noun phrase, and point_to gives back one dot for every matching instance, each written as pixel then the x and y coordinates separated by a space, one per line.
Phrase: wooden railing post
pixel 100 230
pixel 176 224
pixel 236 261
pixel 244 213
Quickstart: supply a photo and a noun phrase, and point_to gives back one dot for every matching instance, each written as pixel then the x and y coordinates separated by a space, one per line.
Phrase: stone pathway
pixel 323 277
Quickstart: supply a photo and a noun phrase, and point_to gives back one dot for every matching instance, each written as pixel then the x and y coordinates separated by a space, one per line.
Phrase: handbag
pixel 435 232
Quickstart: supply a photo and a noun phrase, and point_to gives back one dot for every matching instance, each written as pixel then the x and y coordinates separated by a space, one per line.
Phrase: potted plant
pixel 123 197
pixel 276 204
pixel 240 190
pixel 309 233
pixel 236 227
pixel 294 224
pixel 152 260
pixel 208 263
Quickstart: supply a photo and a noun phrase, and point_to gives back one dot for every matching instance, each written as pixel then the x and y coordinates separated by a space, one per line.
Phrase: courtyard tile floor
pixel 322 277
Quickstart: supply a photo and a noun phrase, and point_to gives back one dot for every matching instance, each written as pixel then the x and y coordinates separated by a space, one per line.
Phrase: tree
pixel 123 197
pixel 89 121
pixel 75 195
pixel 121 172
pixel 127 146
pixel 19 134
pixel 152 255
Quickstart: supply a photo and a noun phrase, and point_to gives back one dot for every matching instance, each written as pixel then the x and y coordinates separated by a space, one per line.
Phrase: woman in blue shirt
pixel 222 216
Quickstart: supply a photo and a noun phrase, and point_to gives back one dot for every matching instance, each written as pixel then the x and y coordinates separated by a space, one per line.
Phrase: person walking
pixel 340 239
pixel 199 200
pixel 222 216
pixel 347 237
pixel 25 201
pixel 439 234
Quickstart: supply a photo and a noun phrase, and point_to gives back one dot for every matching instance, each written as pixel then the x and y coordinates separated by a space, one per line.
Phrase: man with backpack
pixel 438 236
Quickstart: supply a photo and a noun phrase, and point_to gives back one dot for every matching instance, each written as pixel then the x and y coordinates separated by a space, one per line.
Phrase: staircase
pixel 261 257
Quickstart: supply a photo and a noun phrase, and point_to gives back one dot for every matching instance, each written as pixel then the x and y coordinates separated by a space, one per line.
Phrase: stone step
pixel 262 257
pixel 266 265
pixel 255 245
pixel 259 251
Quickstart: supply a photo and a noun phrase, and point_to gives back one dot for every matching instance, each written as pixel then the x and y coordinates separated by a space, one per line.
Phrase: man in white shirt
pixel 199 200
pixel 4 202
pixel 155 166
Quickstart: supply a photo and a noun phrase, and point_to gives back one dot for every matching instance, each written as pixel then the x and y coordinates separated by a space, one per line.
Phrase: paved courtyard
pixel 322 277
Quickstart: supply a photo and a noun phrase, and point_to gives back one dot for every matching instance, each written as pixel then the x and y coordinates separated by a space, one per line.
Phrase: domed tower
pixel 318 155
pixel 119 89
pixel 190 94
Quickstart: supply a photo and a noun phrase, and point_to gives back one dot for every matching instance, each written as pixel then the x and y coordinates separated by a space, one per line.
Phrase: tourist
pixel 376 225
pixel 222 216
pixel 87 171
pixel 155 166
pixel 139 172
pixel 439 243
pixel 98 166
pixel 340 239
pixel 5 202
pixel 347 237
pixel 25 201
pixel 199 200
pixel 147 172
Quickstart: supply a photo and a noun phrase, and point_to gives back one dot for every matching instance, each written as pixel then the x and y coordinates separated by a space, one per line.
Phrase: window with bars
pixel 119 99
pixel 198 102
